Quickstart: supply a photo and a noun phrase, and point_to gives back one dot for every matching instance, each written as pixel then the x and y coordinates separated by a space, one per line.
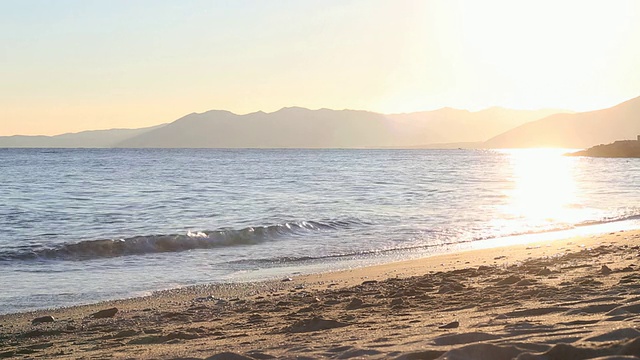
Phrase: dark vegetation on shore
pixel 618 149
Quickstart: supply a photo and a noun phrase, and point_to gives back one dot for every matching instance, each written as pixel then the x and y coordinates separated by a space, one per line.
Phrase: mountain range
pixel 296 127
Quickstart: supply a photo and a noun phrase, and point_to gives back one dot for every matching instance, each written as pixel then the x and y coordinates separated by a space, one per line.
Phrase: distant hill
pixel 297 127
pixel 449 125
pixel 85 139
pixel 579 130
pixel 292 127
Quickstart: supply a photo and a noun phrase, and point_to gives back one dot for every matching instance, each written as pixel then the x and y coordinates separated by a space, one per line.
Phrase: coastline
pixel 414 258
pixel 371 311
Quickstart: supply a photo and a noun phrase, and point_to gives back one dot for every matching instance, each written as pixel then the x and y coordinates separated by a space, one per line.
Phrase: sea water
pixel 84 225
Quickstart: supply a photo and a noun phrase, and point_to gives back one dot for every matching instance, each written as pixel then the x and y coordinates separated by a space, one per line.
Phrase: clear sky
pixel 72 65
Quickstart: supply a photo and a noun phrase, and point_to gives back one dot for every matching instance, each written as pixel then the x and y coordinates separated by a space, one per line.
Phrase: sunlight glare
pixel 543 186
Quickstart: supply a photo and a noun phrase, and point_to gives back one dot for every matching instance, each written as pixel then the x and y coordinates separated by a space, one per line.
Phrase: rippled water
pixel 84 225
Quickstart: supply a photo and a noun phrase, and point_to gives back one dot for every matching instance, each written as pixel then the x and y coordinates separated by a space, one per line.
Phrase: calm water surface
pixel 78 226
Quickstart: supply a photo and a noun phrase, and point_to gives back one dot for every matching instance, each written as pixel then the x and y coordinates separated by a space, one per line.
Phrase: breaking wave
pixel 139 245
pixel 277 261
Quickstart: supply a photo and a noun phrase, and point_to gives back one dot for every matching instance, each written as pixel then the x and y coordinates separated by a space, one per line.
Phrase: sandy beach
pixel 575 298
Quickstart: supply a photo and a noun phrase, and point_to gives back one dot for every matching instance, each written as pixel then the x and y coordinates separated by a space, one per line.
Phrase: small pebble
pixel 451 325
pixel 106 313
pixel 43 319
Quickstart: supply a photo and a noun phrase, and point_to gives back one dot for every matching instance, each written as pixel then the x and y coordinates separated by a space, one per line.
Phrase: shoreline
pixel 359 308
pixel 358 264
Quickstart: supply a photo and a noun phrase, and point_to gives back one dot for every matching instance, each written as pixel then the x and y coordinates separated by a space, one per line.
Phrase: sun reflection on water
pixel 544 188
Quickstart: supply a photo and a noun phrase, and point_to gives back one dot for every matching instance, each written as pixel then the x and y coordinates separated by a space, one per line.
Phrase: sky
pixel 73 65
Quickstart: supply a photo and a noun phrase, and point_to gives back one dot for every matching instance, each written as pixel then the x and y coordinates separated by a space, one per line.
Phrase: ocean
pixel 84 225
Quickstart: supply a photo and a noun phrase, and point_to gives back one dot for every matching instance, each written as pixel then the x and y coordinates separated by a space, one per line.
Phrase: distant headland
pixel 618 149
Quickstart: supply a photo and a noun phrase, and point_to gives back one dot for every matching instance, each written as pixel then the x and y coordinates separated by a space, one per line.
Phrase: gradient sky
pixel 72 65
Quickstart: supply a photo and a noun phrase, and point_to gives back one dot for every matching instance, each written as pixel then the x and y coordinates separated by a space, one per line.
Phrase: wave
pixel 624 217
pixel 140 245
pixel 278 261
pixel 150 244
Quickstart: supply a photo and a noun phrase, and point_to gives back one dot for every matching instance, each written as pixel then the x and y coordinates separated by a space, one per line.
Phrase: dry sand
pixel 567 299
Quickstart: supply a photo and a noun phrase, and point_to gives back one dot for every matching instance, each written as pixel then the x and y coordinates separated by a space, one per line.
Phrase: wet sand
pixel 575 298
